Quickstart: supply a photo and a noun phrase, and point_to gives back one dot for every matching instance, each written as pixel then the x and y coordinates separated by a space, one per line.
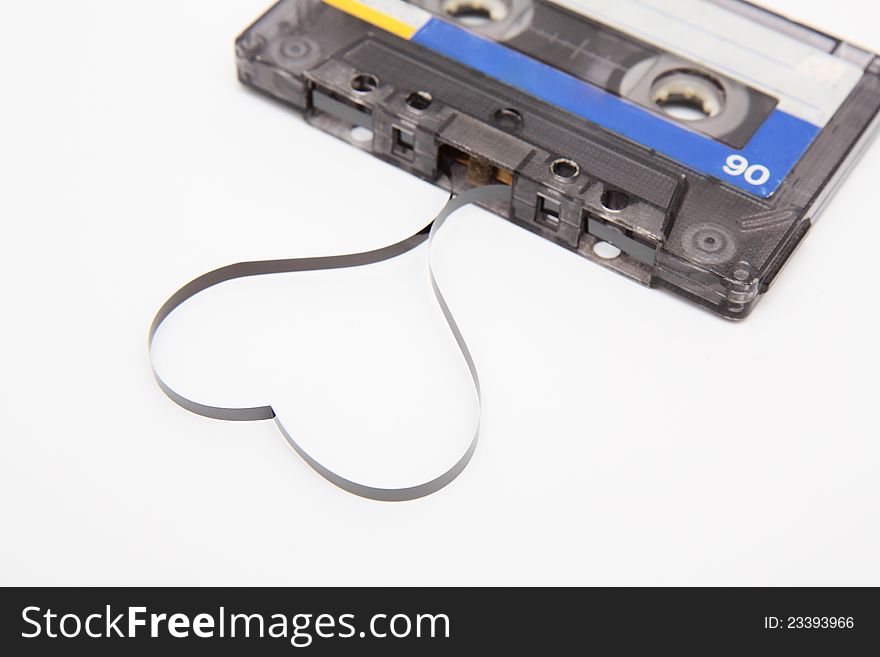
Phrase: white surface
pixel 629 438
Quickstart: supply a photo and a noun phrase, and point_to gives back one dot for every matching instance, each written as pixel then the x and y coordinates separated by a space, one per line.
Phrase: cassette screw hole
pixel 476 12
pixel 364 83
pixel 565 169
pixel 419 100
pixel 614 200
pixel 508 119
pixel 606 250
pixel 711 244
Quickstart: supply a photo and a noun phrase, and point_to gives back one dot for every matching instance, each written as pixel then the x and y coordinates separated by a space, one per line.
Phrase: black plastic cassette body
pixel 704 175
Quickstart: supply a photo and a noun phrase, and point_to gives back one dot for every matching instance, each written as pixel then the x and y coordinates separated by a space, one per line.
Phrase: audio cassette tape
pixel 687 144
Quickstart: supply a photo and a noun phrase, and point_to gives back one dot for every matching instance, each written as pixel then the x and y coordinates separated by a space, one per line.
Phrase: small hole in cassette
pixel 565 169
pixel 364 83
pixel 475 13
pixel 614 200
pixel 419 100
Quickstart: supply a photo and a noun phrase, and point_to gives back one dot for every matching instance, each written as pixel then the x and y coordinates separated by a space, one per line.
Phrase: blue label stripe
pixel 777 145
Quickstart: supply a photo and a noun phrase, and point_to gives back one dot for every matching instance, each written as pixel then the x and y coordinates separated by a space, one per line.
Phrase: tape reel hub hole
pixel 688 95
pixel 476 12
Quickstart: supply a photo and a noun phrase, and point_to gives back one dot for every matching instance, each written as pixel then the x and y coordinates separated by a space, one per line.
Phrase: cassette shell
pixel 575 181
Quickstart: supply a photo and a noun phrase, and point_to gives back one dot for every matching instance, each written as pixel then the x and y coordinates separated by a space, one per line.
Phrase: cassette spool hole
pixel 476 12
pixel 688 95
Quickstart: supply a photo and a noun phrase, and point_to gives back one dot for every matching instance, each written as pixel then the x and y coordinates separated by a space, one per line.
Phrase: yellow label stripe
pixel 374 17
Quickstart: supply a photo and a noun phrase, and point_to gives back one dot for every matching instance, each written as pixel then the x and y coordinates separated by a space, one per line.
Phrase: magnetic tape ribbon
pixel 488 193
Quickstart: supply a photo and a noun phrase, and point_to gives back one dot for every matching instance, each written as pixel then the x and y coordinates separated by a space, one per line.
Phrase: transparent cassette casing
pixel 573 181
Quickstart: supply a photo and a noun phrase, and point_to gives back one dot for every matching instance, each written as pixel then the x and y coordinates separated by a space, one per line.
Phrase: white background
pixel 628 437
